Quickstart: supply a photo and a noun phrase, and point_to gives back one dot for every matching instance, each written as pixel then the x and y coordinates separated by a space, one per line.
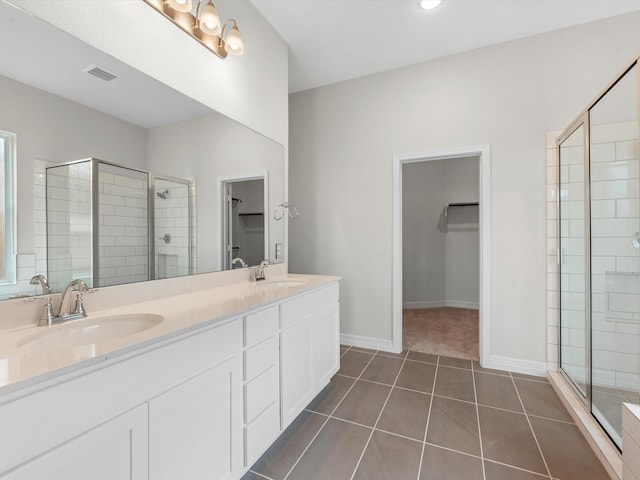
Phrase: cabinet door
pixel 296 370
pixel 326 344
pixel 195 429
pixel 116 450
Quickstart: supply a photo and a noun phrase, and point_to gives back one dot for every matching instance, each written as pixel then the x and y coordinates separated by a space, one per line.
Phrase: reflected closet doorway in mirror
pixel 244 222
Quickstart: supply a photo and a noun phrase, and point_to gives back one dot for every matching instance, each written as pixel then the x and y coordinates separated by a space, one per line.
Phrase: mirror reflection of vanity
pixel 59 113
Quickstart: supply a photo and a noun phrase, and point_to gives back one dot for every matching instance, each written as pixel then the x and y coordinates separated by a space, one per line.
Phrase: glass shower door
pixel 574 321
pixel 615 309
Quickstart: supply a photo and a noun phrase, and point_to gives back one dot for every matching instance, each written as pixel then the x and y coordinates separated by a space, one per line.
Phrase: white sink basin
pixel 89 331
pixel 281 283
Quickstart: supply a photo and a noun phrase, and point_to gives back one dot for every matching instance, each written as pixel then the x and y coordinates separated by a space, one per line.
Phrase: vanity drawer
pixel 259 393
pixel 259 435
pixel 257 359
pixel 259 325
pixel 295 310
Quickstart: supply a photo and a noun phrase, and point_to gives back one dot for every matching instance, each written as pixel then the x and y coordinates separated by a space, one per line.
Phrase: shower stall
pixel 108 224
pixel 598 257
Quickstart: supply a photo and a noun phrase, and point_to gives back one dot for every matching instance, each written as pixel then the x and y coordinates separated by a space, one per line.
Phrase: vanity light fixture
pixel 429 4
pixel 204 24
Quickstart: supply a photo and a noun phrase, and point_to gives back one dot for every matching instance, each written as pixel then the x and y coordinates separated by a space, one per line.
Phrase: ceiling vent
pixel 100 72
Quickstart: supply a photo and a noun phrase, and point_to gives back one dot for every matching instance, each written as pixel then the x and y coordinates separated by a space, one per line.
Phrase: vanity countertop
pixel 24 366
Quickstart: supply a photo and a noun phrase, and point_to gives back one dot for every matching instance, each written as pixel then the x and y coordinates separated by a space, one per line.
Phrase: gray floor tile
pixel 334 453
pixel 284 453
pixel 540 399
pixel 382 369
pixel 363 403
pixel 455 383
pixel 478 368
pixel 453 424
pixel 406 413
pixel 455 362
pixel 361 349
pixel 423 357
pixel 417 376
pixel 495 471
pixel 331 395
pixel 566 451
pixel 507 438
pixel 497 391
pixel 353 363
pixel 389 457
pixel 441 464
pixel 251 476
pixel 402 354
pixel 524 376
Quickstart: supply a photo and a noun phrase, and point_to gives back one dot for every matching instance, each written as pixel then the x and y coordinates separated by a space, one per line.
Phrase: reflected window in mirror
pixel 7 207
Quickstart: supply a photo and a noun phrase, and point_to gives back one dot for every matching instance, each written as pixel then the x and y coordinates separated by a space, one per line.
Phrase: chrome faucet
pixel 42 281
pixel 239 261
pixel 64 311
pixel 257 272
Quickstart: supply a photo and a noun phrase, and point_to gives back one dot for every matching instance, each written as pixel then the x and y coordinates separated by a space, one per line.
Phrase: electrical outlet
pixel 278 251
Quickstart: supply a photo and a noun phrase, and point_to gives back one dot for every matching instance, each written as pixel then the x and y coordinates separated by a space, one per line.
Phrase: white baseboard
pixel 367 342
pixel 457 304
pixel 440 304
pixel 497 362
pixel 428 304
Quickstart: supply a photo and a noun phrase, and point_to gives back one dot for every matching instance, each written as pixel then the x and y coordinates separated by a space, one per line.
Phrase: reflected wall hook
pixel 289 207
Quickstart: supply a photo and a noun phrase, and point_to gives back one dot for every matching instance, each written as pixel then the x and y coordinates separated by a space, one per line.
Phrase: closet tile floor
pixel 426 417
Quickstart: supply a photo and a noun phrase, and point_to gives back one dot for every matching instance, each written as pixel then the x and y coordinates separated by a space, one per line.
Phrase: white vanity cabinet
pixel 193 429
pixel 115 450
pixel 309 348
pixel 204 403
pixel 261 382
pixel 152 414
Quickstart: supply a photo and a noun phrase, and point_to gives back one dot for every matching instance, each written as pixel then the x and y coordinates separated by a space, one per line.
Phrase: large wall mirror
pixel 110 171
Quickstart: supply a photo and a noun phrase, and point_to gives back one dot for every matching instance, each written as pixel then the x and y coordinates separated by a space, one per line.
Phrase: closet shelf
pixel 459 204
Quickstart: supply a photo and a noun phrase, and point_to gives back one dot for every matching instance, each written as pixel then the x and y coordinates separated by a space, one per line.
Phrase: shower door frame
pixel 584 118
pixel 581 121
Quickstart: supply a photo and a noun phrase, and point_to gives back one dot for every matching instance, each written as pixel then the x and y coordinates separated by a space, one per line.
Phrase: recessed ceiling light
pixel 429 4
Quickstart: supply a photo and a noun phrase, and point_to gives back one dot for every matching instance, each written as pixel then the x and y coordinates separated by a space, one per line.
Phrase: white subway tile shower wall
pixel 172 218
pixel 123 228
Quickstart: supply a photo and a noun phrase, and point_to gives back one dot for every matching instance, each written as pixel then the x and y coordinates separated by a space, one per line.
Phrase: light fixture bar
pixel 188 23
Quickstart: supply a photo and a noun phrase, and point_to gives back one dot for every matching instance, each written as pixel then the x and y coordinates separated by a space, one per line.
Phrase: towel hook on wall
pixel 289 207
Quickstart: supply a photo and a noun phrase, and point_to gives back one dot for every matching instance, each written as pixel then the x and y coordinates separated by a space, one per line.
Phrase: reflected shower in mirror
pixel 133 121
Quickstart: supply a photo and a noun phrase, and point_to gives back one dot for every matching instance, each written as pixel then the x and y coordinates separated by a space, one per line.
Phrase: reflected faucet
pixel 239 261
pixel 64 313
pixel 257 272
pixel 42 281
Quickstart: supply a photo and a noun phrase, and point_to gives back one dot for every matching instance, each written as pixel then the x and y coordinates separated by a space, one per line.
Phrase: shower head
pixel 163 195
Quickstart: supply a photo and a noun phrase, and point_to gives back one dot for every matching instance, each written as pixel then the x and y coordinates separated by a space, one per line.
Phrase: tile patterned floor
pixel 425 417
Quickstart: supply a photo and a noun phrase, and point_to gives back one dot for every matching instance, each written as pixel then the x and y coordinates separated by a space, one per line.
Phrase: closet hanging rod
pixel 459 204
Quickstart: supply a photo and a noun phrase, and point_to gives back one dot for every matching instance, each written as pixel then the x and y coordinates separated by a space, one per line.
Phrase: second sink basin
pixel 90 331
pixel 281 283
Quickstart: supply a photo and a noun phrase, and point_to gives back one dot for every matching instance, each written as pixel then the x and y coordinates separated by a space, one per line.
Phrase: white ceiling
pixel 335 40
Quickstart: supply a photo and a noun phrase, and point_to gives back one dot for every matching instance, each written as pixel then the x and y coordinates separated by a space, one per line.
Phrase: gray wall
pixel 343 137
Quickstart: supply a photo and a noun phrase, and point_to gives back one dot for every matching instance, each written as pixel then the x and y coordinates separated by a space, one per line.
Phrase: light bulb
pixel 234 45
pixel 210 20
pixel 429 4
pixel 180 5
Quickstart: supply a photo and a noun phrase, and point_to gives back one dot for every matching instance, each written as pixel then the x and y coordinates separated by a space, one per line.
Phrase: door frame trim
pixel 483 152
